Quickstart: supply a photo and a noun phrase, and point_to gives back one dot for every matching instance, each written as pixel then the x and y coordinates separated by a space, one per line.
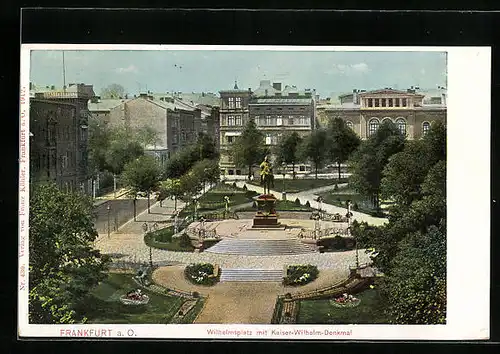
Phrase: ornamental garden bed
pixel 336 243
pixel 284 205
pixel 297 275
pixel 202 274
pixel 104 305
pixel 369 310
pixel 359 203
pixel 162 239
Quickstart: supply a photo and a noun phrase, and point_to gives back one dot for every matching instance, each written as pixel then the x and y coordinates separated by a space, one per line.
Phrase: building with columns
pixel 412 111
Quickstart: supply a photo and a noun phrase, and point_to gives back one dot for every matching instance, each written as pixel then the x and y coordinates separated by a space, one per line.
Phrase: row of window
pixel 234 102
pixel 387 102
pixel 279 120
pixel 374 123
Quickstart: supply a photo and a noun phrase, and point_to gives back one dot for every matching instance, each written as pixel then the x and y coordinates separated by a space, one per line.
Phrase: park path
pixel 240 302
pixel 311 195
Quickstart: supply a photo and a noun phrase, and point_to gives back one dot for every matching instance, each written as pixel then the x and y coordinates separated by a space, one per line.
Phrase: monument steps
pixel 262 247
pixel 243 275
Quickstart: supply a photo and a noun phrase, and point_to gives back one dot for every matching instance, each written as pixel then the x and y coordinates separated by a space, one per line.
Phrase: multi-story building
pixel 412 111
pixel 275 112
pixel 233 118
pixel 58 136
pixel 177 123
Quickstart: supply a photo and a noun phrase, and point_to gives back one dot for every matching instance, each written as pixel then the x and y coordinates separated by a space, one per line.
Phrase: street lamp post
pixel 283 194
pixel 195 202
pixel 145 229
pixel 108 208
pixel 135 207
pixel 176 227
pixel 348 216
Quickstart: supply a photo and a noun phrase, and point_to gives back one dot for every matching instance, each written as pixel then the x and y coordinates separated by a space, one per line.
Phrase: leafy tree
pixel 113 91
pixel 190 186
pixel 368 162
pixel 63 265
pixel 416 284
pixel 121 152
pixel 404 174
pixel 183 160
pixel 249 148
pixel 313 148
pixel 171 188
pixel 206 171
pixel 142 175
pixel 287 150
pixel 207 147
pixel 411 248
pixel 147 136
pixel 341 142
pixel 98 144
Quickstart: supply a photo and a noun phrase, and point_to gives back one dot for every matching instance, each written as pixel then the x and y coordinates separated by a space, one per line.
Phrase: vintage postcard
pixel 254 192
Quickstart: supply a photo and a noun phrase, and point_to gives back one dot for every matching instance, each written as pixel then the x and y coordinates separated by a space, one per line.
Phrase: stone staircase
pixel 260 247
pixel 243 275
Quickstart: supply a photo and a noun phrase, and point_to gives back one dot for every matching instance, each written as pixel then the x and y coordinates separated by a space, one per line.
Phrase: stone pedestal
pixel 266 216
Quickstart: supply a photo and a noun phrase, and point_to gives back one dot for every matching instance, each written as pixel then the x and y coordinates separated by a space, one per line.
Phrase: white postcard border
pixel 468 203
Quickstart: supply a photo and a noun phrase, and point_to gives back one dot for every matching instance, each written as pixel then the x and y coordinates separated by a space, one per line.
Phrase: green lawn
pixel 369 311
pixel 284 205
pixel 104 304
pixel 162 239
pixel 340 197
pixel 299 185
pixel 214 200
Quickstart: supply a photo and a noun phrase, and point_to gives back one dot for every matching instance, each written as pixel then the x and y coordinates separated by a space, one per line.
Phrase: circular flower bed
pixel 201 274
pixel 345 301
pixel 300 274
pixel 134 297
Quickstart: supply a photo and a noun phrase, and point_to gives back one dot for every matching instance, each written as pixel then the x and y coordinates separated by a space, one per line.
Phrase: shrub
pixel 250 194
pixel 234 185
pixel 297 201
pixel 199 274
pixel 195 294
pixel 308 204
pixel 184 240
pixel 254 204
pixel 300 274
pixel 355 206
pixel 245 187
pixel 337 243
pixel 164 235
pixel 336 187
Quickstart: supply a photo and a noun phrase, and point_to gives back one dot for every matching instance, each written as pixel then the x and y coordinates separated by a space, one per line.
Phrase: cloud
pixel 343 69
pixel 129 69
pixel 422 71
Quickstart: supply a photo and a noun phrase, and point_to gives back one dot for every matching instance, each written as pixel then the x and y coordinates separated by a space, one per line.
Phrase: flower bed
pixel 134 297
pixel 345 301
pixel 300 274
pixel 201 274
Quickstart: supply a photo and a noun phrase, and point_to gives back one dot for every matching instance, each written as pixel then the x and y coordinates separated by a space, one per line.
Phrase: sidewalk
pixel 311 195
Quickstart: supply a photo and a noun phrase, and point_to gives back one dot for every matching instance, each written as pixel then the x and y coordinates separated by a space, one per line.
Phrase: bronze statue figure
pixel 266 175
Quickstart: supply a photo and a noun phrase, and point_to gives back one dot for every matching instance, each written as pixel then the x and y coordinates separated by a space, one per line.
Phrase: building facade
pixel 274 111
pixel 413 112
pixel 177 123
pixel 59 137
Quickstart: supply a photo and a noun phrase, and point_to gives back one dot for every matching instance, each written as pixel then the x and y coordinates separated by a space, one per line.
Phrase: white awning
pixel 232 133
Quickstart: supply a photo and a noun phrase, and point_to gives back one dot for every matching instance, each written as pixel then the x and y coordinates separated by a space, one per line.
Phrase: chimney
pixel 277 86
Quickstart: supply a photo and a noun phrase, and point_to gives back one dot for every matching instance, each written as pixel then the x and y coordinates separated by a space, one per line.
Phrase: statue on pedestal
pixel 266 175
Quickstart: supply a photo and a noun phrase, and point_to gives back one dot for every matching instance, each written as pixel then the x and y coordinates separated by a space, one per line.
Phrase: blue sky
pixel 211 71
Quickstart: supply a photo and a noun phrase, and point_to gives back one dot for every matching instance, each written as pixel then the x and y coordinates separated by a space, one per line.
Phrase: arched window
pixel 401 123
pixel 386 119
pixel 349 124
pixel 373 126
pixel 426 126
